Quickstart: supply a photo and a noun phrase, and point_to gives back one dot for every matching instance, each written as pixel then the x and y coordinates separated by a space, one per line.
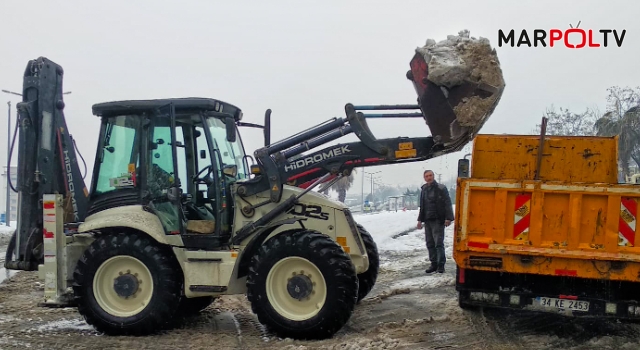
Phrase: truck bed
pixel 549 229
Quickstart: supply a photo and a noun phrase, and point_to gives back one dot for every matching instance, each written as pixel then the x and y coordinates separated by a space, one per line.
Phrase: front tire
pixel 302 285
pixel 126 284
pixel 368 278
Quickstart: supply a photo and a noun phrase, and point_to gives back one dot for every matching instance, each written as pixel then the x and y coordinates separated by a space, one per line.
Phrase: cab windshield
pixel 230 152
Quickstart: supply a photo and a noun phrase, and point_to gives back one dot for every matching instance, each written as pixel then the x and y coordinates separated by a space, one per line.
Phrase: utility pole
pixel 371 180
pixel 8 169
pixel 371 186
pixel 7 210
pixel 362 193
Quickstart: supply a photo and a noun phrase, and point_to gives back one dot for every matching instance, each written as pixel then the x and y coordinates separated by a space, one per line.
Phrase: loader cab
pixel 177 158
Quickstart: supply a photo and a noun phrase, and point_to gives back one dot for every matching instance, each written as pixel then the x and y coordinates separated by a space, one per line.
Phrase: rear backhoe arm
pixel 47 162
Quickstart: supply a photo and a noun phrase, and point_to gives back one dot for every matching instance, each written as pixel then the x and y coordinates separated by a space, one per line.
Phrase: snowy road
pixel 405 310
pixel 5 235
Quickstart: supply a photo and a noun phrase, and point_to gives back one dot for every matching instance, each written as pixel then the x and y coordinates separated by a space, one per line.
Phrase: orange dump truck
pixel 547 228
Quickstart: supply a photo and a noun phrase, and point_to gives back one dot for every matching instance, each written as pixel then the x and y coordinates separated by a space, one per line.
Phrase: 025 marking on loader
pixel 309 210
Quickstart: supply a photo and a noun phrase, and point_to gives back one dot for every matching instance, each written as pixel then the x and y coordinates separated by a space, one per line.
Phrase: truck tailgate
pixel 585 227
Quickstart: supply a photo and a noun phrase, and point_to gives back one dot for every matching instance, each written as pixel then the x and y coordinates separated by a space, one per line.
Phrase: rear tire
pixel 462 303
pixel 315 269
pixel 127 284
pixel 368 278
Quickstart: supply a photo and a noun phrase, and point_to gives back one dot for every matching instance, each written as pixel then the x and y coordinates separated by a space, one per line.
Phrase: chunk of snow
pixel 65 325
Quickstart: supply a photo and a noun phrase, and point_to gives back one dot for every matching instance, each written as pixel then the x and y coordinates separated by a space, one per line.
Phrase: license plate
pixel 565 304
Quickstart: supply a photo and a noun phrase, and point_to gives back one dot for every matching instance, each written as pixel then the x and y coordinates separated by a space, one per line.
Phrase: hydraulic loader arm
pixel 47 163
pixel 302 171
pixel 284 162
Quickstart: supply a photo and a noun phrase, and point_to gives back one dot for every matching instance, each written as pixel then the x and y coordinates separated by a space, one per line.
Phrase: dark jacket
pixel 442 201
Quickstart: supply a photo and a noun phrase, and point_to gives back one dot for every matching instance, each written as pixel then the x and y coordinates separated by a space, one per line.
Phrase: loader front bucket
pixel 455 112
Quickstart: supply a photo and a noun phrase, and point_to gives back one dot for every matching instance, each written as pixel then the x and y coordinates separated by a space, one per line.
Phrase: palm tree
pixel 624 125
pixel 411 198
pixel 343 185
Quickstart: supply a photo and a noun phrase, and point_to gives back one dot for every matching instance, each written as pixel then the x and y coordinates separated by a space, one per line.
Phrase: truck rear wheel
pixel 125 284
pixel 368 278
pixel 302 285
pixel 463 304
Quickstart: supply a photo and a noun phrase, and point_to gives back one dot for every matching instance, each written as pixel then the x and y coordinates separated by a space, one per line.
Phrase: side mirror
pixel 463 167
pixel 230 170
pixel 267 128
pixel 230 123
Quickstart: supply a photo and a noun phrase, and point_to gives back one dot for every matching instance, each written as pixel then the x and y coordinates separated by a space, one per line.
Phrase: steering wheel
pixel 204 179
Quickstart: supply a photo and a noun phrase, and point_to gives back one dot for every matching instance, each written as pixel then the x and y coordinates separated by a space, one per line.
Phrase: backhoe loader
pixel 175 215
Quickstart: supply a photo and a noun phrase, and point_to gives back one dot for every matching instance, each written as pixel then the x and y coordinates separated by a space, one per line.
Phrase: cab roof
pixel 181 105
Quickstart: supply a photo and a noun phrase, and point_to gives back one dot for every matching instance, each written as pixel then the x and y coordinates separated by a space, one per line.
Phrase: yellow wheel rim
pixel 296 289
pixel 123 286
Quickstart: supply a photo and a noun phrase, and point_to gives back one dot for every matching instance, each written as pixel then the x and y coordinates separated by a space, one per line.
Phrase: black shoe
pixel 441 269
pixel 431 269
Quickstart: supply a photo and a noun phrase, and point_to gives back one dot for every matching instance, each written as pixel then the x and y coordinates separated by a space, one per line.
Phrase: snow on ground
pixel 5 235
pixel 75 324
pixel 4 273
pixel 403 248
pixel 386 225
pixel 8 230
pixel 397 231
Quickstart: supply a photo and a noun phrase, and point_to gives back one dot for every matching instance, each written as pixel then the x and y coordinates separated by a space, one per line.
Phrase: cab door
pixel 163 182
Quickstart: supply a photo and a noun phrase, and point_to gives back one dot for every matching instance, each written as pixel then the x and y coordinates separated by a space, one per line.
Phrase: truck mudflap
pixel 568 296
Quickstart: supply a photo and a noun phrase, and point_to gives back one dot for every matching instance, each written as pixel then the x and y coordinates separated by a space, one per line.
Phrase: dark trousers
pixel 434 234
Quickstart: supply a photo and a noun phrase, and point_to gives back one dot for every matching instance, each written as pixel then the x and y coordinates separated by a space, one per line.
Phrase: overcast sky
pixel 306 59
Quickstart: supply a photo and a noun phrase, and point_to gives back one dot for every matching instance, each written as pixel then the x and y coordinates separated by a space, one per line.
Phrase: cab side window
pixel 119 154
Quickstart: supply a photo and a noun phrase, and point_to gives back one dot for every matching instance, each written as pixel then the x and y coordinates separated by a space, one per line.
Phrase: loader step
pixel 205 241
pixel 204 260
pixel 207 289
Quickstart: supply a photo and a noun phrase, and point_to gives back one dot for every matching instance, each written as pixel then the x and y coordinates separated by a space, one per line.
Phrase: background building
pixel 13 196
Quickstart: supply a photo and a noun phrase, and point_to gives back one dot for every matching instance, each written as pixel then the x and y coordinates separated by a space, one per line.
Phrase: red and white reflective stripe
pixel 522 217
pixel 627 222
pixel 49 214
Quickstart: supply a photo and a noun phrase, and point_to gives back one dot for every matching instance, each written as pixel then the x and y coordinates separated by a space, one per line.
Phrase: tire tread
pixel 368 278
pixel 166 289
pixel 341 273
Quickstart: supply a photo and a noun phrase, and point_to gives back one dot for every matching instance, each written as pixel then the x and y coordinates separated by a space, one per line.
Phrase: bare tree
pixel 567 123
pixel 623 119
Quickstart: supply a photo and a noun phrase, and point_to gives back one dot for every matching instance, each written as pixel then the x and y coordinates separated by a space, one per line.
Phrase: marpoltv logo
pixel 572 38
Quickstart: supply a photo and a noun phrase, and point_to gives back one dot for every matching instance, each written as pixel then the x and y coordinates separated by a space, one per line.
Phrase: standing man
pixel 436 212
